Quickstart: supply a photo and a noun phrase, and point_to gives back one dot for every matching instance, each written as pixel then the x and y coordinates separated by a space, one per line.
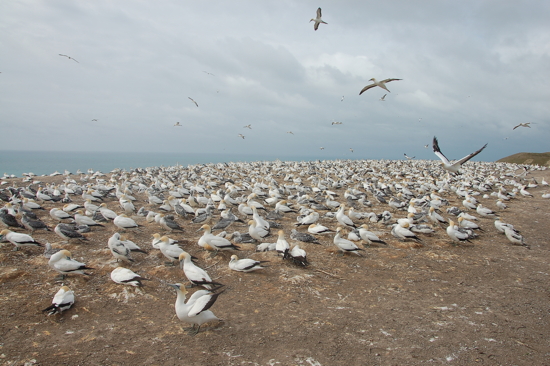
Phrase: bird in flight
pixel 322 148
pixel 69 57
pixel 336 123
pixel 341 100
pixel 426 146
pixel 94 120
pixel 381 84
pixel 522 125
pixel 241 135
pixel 383 98
pixel 290 132
pixel 248 126
pixel 209 73
pixel 408 157
pixel 455 167
pixel 191 99
pixel 177 124
pixel 350 149
pixel 317 20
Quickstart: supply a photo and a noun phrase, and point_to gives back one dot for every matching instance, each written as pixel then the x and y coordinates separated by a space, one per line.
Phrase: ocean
pixel 48 162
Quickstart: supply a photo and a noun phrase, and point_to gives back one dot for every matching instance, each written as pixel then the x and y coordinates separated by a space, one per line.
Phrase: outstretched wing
pixel 366 88
pixel 438 152
pixel 388 80
pixel 466 158
pixel 319 13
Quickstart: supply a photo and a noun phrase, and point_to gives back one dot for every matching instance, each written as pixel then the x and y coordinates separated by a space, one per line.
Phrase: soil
pixel 400 304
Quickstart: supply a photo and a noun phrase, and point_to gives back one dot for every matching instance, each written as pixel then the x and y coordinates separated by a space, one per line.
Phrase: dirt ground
pixel 401 304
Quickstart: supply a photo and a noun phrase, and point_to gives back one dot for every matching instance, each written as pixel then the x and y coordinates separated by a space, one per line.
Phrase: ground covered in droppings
pixel 401 304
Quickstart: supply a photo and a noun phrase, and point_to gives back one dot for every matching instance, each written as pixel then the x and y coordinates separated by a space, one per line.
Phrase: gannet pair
pixel 345 245
pixel 455 167
pixel 195 310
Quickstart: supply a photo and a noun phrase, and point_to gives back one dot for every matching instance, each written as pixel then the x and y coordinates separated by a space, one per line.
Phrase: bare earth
pixel 485 303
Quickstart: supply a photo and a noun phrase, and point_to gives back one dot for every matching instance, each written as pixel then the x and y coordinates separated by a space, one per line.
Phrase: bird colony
pixel 163 226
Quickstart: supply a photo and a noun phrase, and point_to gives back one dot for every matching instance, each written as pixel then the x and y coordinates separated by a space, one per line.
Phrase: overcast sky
pixel 471 71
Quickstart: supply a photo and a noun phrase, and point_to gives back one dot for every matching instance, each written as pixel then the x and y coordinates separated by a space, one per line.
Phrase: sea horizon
pixel 17 162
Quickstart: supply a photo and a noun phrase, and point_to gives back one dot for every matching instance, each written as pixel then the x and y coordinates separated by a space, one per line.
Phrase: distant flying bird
pixel 69 57
pixel 336 123
pixel 383 99
pixel 290 132
pixel 317 20
pixel 506 138
pixel 408 157
pixel 341 100
pixel 241 135
pixel 426 146
pixel 381 84
pixel 94 120
pixel 350 149
pixel 248 126
pixel 455 167
pixel 322 148
pixel 191 99
pixel 177 124
pixel 523 125
pixel 209 73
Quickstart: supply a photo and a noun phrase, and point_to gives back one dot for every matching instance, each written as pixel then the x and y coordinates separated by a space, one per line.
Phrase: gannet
pixel 345 245
pixel 455 235
pixel 69 57
pixel 318 21
pixel 82 219
pixel 177 124
pixel 341 100
pixel 245 264
pixel 64 264
pixel 514 237
pixel 124 276
pixel 282 246
pixel 408 157
pixel 303 237
pixel 336 123
pixel 62 300
pixel 255 231
pixel 107 213
pixel 212 242
pixel 383 99
pixel 402 232
pixel 299 256
pixel 455 167
pixel 59 215
pixel 381 84
pixel 196 275
pixel 124 222
pixel 32 225
pixel 8 220
pixel 248 126
pixel 195 311
pixel 170 250
pixel 290 132
pixel 68 232
pixel 344 219
pixel 191 99
pixel 19 239
pixel 484 211
pixel 501 226
pixel 319 229
pixel 241 136
pixel 369 236
pixel 119 250
pixel 527 124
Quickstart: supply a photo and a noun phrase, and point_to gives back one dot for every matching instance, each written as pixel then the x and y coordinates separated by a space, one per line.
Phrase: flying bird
pixel 383 98
pixel 177 124
pixel 317 20
pixel 341 100
pixel 426 146
pixel 209 73
pixel 241 135
pixel 191 99
pixel 69 57
pixel 94 120
pixel 248 126
pixel 381 84
pixel 290 132
pixel 350 149
pixel 322 148
pixel 336 123
pixel 522 125
pixel 455 167
pixel 408 157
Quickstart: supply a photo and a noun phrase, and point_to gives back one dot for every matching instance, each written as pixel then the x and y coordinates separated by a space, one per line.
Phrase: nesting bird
pixel 245 265
pixel 62 300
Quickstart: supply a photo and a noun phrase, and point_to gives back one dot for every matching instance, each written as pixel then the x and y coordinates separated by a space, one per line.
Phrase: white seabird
pixel 62 300
pixel 455 167
pixel 345 245
pixel 195 311
pixel 381 84
pixel 69 57
pixel 526 124
pixel 64 264
pixel 196 275
pixel 191 99
pixel 245 264
pixel 19 239
pixel 318 21
pixel 124 276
